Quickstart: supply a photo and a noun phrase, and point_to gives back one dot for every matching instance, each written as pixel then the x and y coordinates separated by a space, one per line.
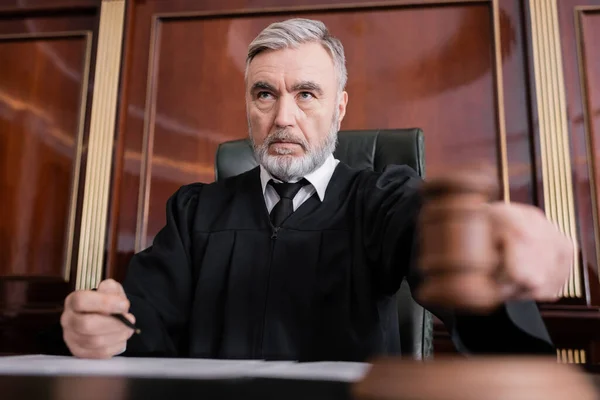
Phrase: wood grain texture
pixel 34 6
pixel 39 134
pixel 43 64
pixel 589 65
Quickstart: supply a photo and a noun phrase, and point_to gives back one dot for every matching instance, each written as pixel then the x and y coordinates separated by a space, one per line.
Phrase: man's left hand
pixel 536 257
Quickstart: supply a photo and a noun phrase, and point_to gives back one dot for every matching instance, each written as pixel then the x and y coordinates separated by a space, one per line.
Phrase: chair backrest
pixel 372 149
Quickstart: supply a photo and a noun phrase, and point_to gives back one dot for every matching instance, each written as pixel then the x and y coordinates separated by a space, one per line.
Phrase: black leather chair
pixel 373 149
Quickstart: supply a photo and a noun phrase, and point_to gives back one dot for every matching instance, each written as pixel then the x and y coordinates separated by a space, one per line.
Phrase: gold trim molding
pixel 500 112
pixel 150 106
pixel 570 356
pixel 553 130
pixel 100 146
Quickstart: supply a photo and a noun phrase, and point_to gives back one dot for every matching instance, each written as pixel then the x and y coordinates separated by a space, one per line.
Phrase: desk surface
pixel 117 388
pixel 442 379
pixel 40 377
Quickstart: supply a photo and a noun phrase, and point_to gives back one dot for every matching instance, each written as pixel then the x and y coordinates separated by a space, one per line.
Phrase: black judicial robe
pixel 220 281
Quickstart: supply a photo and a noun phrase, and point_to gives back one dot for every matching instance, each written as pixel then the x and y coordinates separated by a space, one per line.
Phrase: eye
pixel 306 96
pixel 264 95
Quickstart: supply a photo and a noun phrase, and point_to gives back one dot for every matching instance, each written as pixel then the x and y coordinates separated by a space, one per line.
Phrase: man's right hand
pixel 88 328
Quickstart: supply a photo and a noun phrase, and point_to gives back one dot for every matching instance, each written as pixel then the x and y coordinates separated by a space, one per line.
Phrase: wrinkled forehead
pixel 309 62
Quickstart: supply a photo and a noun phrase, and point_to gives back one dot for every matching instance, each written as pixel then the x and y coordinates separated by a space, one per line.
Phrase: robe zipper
pixel 274 233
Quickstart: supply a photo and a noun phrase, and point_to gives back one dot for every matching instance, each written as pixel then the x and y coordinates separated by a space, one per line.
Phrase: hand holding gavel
pixel 476 252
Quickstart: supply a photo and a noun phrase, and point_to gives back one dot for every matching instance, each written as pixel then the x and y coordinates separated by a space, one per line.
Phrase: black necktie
pixel 285 207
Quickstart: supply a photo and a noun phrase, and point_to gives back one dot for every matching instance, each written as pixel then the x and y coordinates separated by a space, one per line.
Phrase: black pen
pixel 124 320
pixel 127 322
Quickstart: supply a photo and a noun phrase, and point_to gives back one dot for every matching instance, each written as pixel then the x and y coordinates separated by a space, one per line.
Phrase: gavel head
pixel 458 253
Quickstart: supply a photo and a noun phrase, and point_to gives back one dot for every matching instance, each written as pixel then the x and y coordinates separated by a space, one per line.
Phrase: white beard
pixel 290 168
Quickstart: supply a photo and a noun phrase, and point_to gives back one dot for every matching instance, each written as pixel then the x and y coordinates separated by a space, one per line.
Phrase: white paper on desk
pixel 332 371
pixel 180 368
pixel 122 366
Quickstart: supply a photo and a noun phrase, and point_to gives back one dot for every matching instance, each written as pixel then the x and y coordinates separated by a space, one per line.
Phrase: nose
pixel 286 112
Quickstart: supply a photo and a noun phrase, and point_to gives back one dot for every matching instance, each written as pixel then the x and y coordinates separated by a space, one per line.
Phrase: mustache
pixel 284 135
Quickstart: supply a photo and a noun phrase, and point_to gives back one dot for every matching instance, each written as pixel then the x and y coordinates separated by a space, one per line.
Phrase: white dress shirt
pixel 318 181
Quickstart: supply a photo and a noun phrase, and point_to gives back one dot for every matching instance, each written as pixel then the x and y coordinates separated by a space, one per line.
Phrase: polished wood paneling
pixel 590 59
pixel 45 63
pixel 51 24
pixel 39 147
pixel 186 96
pixel 588 27
pixel 32 6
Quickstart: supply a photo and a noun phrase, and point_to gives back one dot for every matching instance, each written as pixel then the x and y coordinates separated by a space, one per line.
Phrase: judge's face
pixel 294 109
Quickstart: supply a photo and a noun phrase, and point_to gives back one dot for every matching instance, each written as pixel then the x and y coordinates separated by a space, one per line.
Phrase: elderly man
pixel 300 258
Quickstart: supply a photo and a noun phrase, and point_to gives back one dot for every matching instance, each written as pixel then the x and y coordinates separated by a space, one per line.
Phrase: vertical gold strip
pixel 544 116
pixel 148 142
pixel 564 144
pixel 535 33
pixel 553 130
pixel 551 115
pixel 570 356
pixel 561 146
pixel 100 146
pixel 78 152
pixel 500 100
pixel 554 181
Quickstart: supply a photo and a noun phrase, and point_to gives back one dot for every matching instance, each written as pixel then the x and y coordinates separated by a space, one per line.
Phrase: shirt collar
pixel 319 178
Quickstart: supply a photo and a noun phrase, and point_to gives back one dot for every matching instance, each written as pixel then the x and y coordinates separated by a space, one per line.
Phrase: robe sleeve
pixel 391 206
pixel 159 282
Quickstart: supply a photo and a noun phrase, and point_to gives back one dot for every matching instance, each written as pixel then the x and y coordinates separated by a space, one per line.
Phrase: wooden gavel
pixel 459 256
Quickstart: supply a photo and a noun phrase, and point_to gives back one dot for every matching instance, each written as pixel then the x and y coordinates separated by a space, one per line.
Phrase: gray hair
pixel 294 32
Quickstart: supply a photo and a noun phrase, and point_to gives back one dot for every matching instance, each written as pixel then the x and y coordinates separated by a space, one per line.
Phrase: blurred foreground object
pixel 477 253
pixel 474 379
pixel 458 255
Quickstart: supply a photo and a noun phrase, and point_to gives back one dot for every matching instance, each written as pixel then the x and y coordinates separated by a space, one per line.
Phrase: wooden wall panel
pixel 590 59
pixel 588 29
pixel 45 67
pixel 431 64
pixel 40 149
pixel 32 6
